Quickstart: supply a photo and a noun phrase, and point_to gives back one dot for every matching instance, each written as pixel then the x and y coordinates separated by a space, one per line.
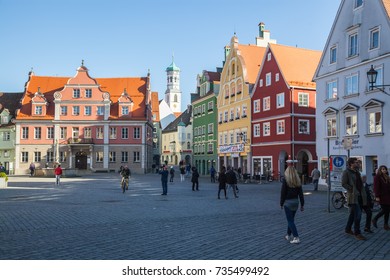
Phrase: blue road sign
pixel 338 162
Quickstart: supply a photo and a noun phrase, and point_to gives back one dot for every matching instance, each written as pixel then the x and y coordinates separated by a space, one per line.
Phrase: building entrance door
pixel 81 160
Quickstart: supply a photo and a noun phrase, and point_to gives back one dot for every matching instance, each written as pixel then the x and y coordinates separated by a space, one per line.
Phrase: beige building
pixel 242 64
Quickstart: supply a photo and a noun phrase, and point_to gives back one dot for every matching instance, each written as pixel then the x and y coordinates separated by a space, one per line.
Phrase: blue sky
pixel 125 38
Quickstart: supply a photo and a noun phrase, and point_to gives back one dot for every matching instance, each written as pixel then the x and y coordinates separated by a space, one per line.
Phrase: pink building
pixel 85 123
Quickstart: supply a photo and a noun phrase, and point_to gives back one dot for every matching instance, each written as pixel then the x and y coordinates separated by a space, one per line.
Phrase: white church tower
pixel 173 93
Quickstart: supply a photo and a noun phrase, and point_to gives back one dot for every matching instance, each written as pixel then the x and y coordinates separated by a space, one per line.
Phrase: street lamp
pixel 372 74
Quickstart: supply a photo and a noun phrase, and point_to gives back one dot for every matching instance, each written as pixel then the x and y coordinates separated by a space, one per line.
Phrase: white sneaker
pixel 295 240
pixel 287 237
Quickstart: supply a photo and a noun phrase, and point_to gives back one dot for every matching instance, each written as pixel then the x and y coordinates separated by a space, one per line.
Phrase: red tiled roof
pixel 296 64
pixel 253 56
pixel 135 87
pixel 155 106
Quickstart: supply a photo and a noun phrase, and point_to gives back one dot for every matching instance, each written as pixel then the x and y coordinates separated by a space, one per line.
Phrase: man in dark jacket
pixel 164 179
pixel 231 180
pixel 356 197
pixel 195 179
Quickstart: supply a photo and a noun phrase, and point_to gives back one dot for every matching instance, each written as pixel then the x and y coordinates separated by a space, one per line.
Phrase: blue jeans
pixel 315 183
pixel 290 215
pixel 165 186
pixel 355 215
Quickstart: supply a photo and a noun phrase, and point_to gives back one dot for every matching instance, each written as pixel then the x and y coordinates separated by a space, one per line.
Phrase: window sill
pixel 374 134
pixel 331 100
pixel 350 95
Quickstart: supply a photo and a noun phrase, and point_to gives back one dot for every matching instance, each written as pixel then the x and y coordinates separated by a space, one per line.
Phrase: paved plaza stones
pixel 88 218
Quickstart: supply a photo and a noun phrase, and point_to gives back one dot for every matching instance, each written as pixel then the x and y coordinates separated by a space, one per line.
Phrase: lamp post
pixel 372 74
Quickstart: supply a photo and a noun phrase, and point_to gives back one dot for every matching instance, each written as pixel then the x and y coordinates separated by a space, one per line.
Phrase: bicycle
pixel 124 184
pixel 339 199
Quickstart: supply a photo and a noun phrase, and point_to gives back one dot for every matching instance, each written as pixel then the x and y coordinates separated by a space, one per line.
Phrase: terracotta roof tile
pixel 386 4
pixel 253 56
pixel 135 87
pixel 297 65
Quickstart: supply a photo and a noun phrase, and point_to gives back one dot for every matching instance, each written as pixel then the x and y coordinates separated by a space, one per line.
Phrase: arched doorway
pixel 283 157
pixel 303 164
pixel 81 160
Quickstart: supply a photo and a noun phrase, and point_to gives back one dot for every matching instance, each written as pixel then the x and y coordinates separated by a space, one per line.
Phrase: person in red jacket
pixel 58 173
pixel 382 194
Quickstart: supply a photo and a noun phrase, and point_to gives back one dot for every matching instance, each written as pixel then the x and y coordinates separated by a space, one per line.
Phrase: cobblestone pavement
pixel 89 218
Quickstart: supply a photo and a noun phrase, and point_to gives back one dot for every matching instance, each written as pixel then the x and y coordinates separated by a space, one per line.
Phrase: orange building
pixel 85 123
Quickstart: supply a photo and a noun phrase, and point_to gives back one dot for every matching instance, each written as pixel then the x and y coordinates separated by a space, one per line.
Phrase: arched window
pixel 175 98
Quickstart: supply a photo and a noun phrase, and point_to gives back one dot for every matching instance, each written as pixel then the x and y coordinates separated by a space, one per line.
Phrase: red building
pixel 283 104
pixel 85 123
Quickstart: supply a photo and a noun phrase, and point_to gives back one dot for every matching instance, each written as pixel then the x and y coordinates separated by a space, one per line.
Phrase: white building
pixel 348 111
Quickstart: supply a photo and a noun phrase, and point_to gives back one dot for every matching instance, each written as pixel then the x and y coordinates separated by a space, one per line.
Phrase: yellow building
pixel 242 64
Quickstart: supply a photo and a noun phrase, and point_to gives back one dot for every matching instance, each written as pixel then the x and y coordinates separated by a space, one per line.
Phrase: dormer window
pixel 38 110
pixel 125 104
pixel 125 110
pixel 39 104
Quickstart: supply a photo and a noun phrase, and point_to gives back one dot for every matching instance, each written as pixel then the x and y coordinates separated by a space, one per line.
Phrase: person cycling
pixel 125 173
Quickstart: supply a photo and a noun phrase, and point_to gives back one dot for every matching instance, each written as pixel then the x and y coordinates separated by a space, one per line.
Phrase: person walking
pixel 382 194
pixel 182 173
pixel 58 173
pixel 32 169
pixel 164 179
pixel 356 197
pixel 231 180
pixel 212 174
pixel 2 168
pixel 172 174
pixel 315 176
pixel 367 208
pixel 290 196
pixel 222 182
pixel 195 179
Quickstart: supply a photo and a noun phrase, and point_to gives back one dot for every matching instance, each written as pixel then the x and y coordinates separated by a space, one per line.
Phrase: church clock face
pixel 174 106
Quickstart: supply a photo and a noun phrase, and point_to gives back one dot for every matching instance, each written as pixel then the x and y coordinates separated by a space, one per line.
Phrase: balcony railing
pixel 80 141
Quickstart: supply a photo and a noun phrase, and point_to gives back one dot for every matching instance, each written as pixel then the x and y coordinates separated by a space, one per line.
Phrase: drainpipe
pixel 292 124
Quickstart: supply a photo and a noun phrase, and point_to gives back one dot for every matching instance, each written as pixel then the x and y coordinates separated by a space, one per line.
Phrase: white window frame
pixel 266 129
pixel 332 119
pixel 137 133
pixel 280 127
pixel 256 106
pixel 88 110
pixel 267 103
pixel 333 54
pixel 88 93
pixel 303 99
pixel 352 129
pixel 38 110
pixel 280 100
pixel 37 132
pixel 371 36
pixel 76 93
pixel 25 131
pixel 352 84
pixel 64 110
pixel 256 130
pixel 372 114
pixel 268 79
pixel 75 110
pixel 353 44
pixel 303 126
pixel 50 132
pixel 87 132
pixel 334 93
